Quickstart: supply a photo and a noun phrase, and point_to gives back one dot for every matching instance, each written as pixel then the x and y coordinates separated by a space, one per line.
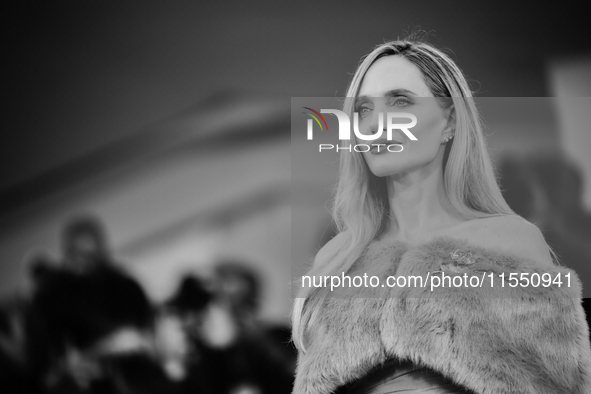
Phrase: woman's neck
pixel 419 205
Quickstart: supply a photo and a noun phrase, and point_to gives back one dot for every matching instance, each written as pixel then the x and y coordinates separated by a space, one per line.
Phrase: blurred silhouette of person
pixel 239 287
pixel 90 321
pixel 234 352
pixel 179 338
pixel 14 375
pixel 262 353
pixel 84 245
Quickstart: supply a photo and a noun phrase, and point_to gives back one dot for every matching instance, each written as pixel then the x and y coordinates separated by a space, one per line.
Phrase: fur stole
pixel 491 339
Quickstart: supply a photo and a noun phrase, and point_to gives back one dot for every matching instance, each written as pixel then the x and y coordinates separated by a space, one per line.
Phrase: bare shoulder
pixel 331 247
pixel 513 234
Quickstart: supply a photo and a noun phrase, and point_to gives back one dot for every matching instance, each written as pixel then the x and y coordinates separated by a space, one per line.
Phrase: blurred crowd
pixel 87 326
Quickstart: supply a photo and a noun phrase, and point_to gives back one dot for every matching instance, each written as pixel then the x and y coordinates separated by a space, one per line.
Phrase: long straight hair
pixel 361 208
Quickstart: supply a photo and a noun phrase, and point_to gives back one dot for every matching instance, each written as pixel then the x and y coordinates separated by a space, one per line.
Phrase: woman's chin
pixel 384 171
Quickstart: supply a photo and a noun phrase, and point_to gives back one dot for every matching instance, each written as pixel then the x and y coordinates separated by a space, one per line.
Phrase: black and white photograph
pixel 312 197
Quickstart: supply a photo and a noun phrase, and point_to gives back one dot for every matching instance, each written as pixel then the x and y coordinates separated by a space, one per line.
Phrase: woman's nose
pixel 376 123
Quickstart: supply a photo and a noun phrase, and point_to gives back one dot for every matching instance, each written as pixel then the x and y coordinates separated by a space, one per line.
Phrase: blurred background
pixel 163 128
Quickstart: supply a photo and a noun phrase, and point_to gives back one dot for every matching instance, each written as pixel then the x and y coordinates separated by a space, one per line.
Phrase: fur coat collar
pixel 497 340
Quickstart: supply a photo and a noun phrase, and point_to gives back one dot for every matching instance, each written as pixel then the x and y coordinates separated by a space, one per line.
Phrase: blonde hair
pixel 361 207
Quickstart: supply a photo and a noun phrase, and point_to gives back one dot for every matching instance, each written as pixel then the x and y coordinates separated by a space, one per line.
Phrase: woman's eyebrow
pixel 399 92
pixel 390 93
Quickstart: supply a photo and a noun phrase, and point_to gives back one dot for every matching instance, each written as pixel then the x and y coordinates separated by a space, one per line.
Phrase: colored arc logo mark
pixel 315 118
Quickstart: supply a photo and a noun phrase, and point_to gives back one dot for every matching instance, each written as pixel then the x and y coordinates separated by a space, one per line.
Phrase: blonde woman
pixel 433 209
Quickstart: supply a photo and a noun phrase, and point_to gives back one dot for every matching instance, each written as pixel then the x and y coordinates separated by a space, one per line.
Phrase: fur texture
pixel 490 339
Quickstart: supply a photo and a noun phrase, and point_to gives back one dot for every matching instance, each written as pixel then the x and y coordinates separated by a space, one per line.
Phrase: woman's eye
pixel 400 103
pixel 363 110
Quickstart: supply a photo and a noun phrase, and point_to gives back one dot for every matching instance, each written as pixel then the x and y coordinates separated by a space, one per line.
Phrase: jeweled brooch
pixel 460 260
pixel 463 258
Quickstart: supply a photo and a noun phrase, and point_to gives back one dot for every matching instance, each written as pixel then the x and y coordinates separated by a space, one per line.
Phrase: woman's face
pixel 394 84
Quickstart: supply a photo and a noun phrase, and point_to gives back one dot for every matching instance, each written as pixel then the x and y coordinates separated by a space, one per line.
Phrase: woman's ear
pixel 450 128
pixel 451 117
